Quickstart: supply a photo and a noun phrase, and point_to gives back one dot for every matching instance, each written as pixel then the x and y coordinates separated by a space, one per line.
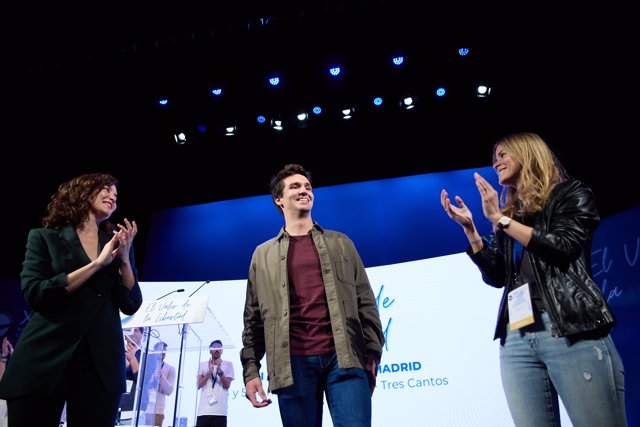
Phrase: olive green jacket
pixel 353 310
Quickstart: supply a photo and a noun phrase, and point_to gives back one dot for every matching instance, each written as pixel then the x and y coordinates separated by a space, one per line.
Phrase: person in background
pixel 162 383
pixel 310 307
pixel 214 379
pixel 553 321
pixel 132 353
pixel 78 275
pixel 7 349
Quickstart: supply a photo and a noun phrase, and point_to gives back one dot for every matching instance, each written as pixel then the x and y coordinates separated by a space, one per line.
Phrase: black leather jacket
pixel 560 256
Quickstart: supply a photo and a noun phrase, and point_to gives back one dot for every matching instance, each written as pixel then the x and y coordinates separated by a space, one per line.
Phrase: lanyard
pixel 517 255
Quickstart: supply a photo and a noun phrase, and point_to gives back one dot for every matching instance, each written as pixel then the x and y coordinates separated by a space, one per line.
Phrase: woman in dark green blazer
pixel 78 275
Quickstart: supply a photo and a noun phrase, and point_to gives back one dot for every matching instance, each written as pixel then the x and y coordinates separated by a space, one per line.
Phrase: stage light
pixel 377 101
pixel 257 23
pixel 317 110
pixel 202 129
pixel 482 91
pixel 274 81
pixel 397 60
pixel 180 138
pixel 408 102
pixel 440 92
pixel 277 125
pixel 216 91
pixel 302 119
pixel 230 130
pixel 464 51
pixel 347 113
pixel 334 71
pixel 163 102
pixel 261 119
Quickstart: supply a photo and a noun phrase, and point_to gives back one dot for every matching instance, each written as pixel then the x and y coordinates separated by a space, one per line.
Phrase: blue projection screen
pixel 440 365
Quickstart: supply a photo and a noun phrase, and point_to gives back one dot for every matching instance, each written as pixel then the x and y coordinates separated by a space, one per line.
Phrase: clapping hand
pixel 125 236
pixel 7 348
pixel 460 214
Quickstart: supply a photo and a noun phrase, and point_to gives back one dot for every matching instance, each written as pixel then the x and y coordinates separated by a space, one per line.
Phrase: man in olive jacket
pixel 310 308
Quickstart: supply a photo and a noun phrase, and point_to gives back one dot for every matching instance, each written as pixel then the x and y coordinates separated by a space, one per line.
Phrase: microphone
pixel 205 282
pixel 177 290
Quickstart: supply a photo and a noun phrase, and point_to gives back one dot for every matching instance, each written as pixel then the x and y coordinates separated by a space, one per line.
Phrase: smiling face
pixel 506 166
pixel 297 195
pixel 105 202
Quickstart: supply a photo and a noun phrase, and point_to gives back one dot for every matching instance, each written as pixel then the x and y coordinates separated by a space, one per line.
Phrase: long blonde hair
pixel 541 172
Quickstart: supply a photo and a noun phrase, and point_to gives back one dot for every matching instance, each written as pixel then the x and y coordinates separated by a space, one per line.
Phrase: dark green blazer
pixel 60 320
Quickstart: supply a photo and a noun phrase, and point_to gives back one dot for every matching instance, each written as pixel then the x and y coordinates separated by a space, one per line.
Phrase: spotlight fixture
pixel 334 71
pixel 230 130
pixel 257 23
pixel 277 125
pixel 347 113
pixel 408 102
pixel 397 60
pixel 180 138
pixel 302 119
pixel 274 81
pixel 483 91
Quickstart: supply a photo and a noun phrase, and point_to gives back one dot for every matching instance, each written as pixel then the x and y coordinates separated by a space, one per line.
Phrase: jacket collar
pixel 72 243
pixel 283 232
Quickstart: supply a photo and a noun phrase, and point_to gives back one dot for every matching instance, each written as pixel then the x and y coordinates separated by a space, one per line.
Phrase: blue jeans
pixel 588 375
pixel 347 390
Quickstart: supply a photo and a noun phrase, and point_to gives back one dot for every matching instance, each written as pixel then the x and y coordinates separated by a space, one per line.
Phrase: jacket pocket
pixel 345 271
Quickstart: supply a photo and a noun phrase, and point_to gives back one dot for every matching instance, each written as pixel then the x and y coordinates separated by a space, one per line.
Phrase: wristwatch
pixel 503 222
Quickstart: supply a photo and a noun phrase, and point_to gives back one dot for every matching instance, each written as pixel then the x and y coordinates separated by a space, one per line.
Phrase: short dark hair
pixel 277 181
pixel 216 342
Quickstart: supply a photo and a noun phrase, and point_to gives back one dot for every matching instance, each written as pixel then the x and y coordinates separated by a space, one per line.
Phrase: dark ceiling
pixel 80 84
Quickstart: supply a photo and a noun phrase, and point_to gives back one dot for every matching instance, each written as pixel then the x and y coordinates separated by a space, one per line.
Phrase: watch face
pixel 504 222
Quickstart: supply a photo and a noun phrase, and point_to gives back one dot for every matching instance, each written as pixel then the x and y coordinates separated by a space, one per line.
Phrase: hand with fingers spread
pixel 125 235
pixel 490 198
pixel 460 214
pixel 463 216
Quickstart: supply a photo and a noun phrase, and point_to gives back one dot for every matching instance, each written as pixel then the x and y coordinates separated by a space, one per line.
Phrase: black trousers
pixel 210 421
pixel 88 403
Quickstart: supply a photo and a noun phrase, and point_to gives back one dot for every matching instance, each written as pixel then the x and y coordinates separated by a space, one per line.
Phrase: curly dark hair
pixel 71 204
pixel 277 181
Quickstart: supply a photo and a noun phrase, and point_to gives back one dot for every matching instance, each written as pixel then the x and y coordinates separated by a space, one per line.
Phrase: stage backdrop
pixel 440 365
